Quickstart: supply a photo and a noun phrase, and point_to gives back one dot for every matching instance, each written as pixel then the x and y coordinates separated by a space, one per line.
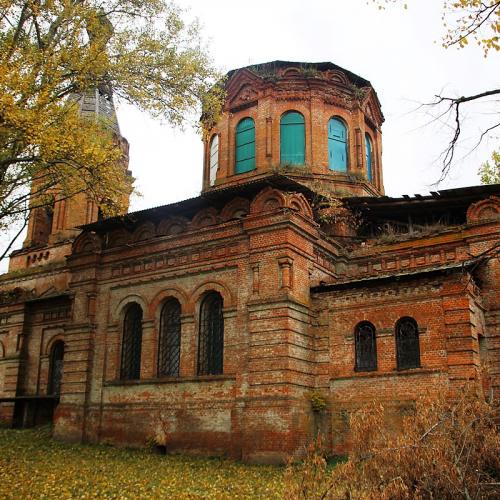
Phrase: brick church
pixel 292 278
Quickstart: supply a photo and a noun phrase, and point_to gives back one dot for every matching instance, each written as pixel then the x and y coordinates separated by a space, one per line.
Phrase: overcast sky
pixel 397 50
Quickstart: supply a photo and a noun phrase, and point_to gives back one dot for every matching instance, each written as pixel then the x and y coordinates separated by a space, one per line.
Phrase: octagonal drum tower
pixel 315 122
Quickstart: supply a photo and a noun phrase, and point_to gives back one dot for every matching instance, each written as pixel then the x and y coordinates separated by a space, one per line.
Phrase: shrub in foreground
pixel 444 449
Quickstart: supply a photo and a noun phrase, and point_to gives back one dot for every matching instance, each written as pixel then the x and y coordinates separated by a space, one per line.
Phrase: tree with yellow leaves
pixel 54 51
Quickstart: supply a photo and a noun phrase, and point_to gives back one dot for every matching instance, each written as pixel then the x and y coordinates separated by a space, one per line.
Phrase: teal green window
pixel 245 146
pixel 369 157
pixel 337 145
pixel 292 139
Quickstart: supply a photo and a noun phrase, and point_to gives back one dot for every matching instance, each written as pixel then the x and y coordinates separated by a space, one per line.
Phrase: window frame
pixel 165 345
pixel 417 358
pixel 210 359
pixel 346 144
pixel 372 365
pixel 133 370
pixel 238 147
pixel 211 155
pixel 289 112
pixel 369 149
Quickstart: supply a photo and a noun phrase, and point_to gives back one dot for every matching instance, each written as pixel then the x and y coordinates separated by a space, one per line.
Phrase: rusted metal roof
pixel 449 197
pixel 216 197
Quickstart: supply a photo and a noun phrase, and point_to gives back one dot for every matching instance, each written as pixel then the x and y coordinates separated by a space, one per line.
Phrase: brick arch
pixel 172 226
pixel 144 232
pixel 339 116
pixel 336 76
pixel 268 199
pixel 299 203
pixel 118 237
pixel 121 307
pixel 212 286
pixel 204 218
pixel 296 108
pixel 56 338
pixel 291 72
pixel 488 209
pixel 171 292
pixel 236 209
pixel 87 242
pixel 342 115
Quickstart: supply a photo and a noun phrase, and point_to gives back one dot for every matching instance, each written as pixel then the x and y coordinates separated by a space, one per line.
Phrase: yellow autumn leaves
pixel 32 465
pixel 52 53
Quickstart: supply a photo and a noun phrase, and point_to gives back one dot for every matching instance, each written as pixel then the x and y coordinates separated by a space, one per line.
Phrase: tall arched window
pixel 292 139
pixel 56 368
pixel 369 159
pixel 245 146
pixel 214 159
pixel 365 347
pixel 407 344
pixel 211 340
pixel 169 346
pixel 131 343
pixel 337 145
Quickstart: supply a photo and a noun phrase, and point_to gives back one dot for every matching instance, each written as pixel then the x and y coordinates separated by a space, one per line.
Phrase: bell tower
pixel 315 122
pixel 56 224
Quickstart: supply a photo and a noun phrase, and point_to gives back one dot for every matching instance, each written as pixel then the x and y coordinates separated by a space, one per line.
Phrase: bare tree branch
pixel 453 106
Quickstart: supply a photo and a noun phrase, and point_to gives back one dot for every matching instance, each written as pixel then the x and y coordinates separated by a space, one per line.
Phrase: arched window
pixel 211 341
pixel 214 159
pixel 369 160
pixel 56 368
pixel 131 344
pixel 407 344
pixel 337 145
pixel 365 346
pixel 169 347
pixel 292 139
pixel 245 146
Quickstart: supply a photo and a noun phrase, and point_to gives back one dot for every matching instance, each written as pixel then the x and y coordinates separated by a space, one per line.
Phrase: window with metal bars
pixel 131 343
pixel 407 344
pixel 365 346
pixel 169 346
pixel 211 339
pixel 56 368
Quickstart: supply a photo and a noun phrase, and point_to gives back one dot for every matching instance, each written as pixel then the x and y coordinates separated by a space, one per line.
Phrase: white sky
pixel 397 50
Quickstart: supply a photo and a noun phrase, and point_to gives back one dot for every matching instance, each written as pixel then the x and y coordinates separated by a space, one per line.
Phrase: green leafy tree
pixel 54 50
pixel 489 173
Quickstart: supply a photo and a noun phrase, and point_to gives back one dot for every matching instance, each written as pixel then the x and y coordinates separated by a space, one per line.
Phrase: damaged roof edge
pixel 444 194
pixel 357 282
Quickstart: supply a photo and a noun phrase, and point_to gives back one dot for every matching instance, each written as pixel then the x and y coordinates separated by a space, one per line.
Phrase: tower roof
pixel 272 67
pixel 98 103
